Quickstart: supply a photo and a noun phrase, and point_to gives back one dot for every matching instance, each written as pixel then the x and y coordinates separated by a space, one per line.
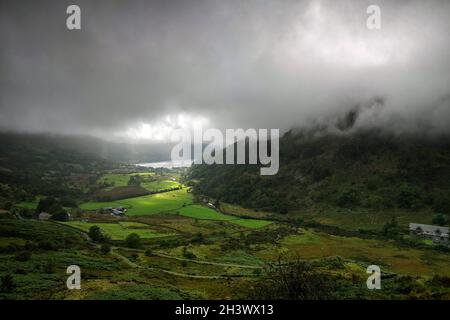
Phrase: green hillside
pixel 365 171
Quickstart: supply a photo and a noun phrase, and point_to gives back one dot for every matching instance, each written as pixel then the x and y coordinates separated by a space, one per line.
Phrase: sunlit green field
pixel 29 204
pixel 251 223
pixel 199 212
pixel 119 231
pixel 120 179
pixel 159 185
pixel 178 201
pixel 151 204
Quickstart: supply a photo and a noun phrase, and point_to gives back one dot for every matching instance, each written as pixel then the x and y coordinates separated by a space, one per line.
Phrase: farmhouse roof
pixel 44 215
pixel 429 229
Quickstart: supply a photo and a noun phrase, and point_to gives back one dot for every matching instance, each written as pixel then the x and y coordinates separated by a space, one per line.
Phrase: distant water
pixel 167 164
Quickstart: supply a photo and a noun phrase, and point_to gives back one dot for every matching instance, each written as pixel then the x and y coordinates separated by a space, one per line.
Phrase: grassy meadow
pixel 145 205
pixel 158 185
pixel 173 202
pixel 120 230
pixel 120 179
pixel 200 212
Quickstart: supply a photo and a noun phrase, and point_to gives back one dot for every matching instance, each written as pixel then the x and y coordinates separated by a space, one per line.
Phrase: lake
pixel 167 164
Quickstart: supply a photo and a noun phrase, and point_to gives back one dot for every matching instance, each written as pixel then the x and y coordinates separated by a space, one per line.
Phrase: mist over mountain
pixel 101 149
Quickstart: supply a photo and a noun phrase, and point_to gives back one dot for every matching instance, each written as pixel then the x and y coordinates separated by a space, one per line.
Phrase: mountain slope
pixel 365 169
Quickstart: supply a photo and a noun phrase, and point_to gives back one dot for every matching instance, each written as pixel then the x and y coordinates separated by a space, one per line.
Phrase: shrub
pixel 23 256
pixel 347 198
pixel 7 205
pixel 188 255
pixel 335 262
pixel 409 197
pixel 47 245
pixel 7 283
pixel 20 271
pixel 105 248
pixel 133 240
pixel 198 238
pixel 439 220
pixel 441 281
pixel 49 267
pixel 376 202
pixel 391 229
pixel 134 256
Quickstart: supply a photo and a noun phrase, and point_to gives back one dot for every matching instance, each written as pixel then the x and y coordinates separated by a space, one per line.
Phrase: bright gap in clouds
pixel 161 129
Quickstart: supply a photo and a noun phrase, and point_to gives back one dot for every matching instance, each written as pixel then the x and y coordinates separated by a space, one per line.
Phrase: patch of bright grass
pixel 151 204
pixel 119 231
pixel 158 185
pixel 200 212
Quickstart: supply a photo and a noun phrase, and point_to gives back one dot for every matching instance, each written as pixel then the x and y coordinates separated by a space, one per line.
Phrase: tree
pixel 441 201
pixel 7 283
pixel 49 204
pixel 347 197
pixel 293 281
pixel 439 220
pixel 135 180
pixel 60 215
pixel 95 233
pixel 391 229
pixel 409 197
pixel 67 202
pixel 133 240
pixel 105 248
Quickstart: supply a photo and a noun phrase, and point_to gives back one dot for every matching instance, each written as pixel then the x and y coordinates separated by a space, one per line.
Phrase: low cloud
pixel 255 63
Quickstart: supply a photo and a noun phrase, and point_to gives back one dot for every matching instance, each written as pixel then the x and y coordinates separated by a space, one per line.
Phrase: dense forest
pixel 365 169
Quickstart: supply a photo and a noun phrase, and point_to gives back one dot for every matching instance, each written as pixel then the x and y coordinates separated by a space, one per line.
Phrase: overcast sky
pixel 139 68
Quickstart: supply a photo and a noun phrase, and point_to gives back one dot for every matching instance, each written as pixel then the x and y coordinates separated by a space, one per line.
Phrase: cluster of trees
pixel 9 195
pixel 135 180
pixel 54 207
pixel 96 235
pixel 133 240
pixel 46 166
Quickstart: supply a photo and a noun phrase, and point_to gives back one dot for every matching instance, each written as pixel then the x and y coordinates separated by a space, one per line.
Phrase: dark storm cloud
pixel 256 63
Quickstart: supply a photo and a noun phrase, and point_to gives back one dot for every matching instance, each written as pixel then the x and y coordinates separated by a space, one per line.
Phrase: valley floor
pixel 188 250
